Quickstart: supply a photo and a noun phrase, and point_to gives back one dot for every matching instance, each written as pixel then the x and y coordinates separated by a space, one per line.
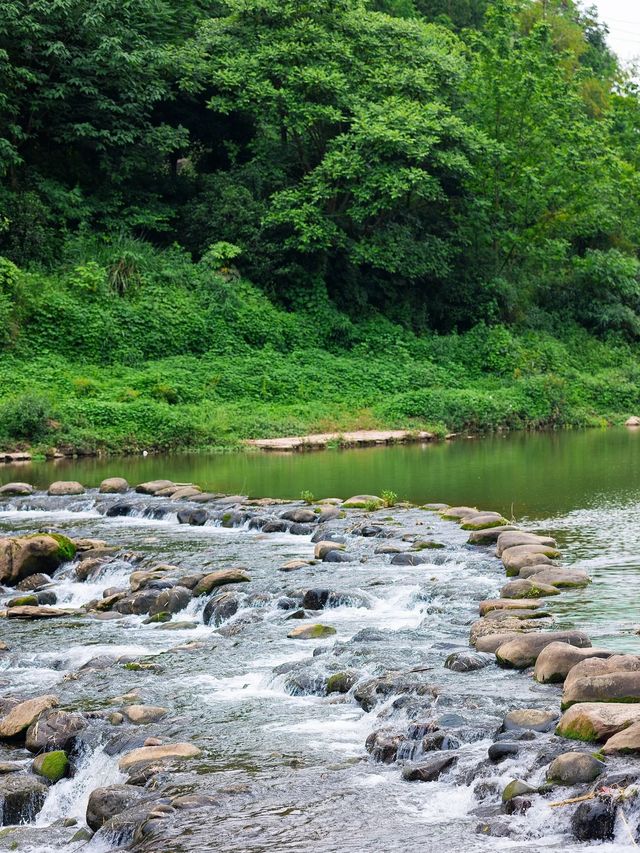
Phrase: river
pixel 287 769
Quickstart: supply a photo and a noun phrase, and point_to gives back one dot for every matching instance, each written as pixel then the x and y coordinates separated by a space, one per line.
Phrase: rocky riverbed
pixel 185 671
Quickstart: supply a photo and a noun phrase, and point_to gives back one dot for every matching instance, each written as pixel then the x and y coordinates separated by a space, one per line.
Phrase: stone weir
pixel 578 754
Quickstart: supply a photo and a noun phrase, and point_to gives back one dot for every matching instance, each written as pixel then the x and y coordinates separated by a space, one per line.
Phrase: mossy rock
pixel 341 682
pixel 52 765
pixel 24 601
pixel 311 632
pixel 484 525
pixel 164 616
pixel 66 548
pixel 427 545
pixel 516 788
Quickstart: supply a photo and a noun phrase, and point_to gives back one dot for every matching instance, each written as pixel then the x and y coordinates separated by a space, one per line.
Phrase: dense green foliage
pixel 435 202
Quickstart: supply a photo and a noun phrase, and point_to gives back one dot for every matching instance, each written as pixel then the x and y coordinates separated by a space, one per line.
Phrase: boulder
pixel 519 556
pixel 143 714
pixel 489 643
pixel 54 730
pixel 35 612
pixel 10 490
pixel 193 517
pixel 301 515
pixel 114 486
pixel 151 487
pixel 590 668
pixel 428 771
pixel 22 796
pixel 561 578
pixel 63 488
pixel 220 578
pixel 406 559
pixel 294 565
pixel 594 820
pixel 22 556
pixel 482 521
pixel 105 803
pixel 597 721
pixel 335 556
pixel 626 742
pixel 555 661
pixel 488 535
pixel 633 421
pixel 508 624
pixel 455 513
pixel 573 768
pixel 311 632
pixel 614 687
pixel 467 661
pixel 33 582
pixel 524 650
pixel 516 788
pixel 529 719
pixel 361 501
pixel 164 752
pixel 171 600
pixel 508 616
pixel 491 604
pixel 526 588
pixel 324 547
pixel 185 493
pixel 22 715
pixel 513 538
pixel 51 765
pixel 220 607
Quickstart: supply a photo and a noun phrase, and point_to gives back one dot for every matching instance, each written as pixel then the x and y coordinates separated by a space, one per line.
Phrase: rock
pixel 33 582
pixel 54 730
pixel 597 721
pixel 30 612
pixel 455 513
pixel 633 421
pixel 165 752
pixel 508 624
pixel 323 547
pixel 406 559
pixel 555 661
pixel 519 556
pixel 516 788
pixel 430 770
pixel 526 588
pixel 52 765
pixel 503 749
pixel 275 527
pixel 572 768
pixel 143 714
pixel 153 486
pixel 216 579
pixel 594 820
pixel 194 517
pixel 614 687
pixel 524 650
pixel 488 534
pixel 592 667
pixel 21 798
pixel 315 599
pixel 22 556
pixel 329 513
pixel 341 682
pixel 491 642
pixel 114 486
pixel 529 719
pixel 10 490
pixel 105 803
pixel 171 601
pixel 492 604
pixel 513 538
pixel 467 661
pixel 336 556
pixel 185 493
pixel 220 607
pixel 22 715
pixel 483 520
pixel 311 632
pixel 361 501
pixel 626 742
pixel 294 565
pixel 561 578
pixel 300 516
pixel 508 616
pixel 66 487
pixel 435 507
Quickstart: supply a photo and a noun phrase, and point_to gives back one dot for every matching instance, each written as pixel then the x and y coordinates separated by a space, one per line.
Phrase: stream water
pixel 286 769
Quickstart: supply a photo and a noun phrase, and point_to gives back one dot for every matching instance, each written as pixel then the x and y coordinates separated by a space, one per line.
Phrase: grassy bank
pixel 181 358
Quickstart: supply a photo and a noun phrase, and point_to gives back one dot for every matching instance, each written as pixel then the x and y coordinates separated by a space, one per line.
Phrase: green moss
pixel 583 732
pixel 66 548
pixel 24 601
pixel 427 545
pixel 52 765
pixel 158 617
pixel 469 525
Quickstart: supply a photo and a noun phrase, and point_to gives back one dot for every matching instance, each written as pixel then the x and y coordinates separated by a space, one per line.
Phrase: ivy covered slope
pixel 251 218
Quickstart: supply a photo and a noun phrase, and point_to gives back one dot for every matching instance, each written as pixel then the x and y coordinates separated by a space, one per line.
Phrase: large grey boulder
pixel 22 556
pixel 524 650
pixel 10 490
pixel 105 803
pixel 557 659
pixel 573 768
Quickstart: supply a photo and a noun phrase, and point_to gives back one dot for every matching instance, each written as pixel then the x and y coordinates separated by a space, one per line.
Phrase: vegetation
pixel 223 219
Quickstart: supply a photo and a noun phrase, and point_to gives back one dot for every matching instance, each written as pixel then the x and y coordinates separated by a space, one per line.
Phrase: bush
pixel 26 418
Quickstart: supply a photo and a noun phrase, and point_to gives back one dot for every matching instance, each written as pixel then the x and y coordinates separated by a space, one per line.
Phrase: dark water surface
pixel 522 474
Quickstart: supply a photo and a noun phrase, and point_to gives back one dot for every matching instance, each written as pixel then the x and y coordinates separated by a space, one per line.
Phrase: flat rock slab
pixel 511 624
pixel 24 714
pixel 164 752
pixel 557 659
pixel 513 538
pixel 456 513
pixel 597 721
pixel 490 642
pixel 491 604
pixel 483 520
pixel 523 651
pixel 31 611
pixel 142 714
pixel 153 486
pixel 488 535
pixel 358 438
pixel 561 578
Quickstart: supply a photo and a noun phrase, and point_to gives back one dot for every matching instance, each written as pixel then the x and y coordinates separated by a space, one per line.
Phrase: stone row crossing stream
pixel 184 671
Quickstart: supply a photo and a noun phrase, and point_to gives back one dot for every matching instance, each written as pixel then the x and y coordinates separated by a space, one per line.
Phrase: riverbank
pixel 383 597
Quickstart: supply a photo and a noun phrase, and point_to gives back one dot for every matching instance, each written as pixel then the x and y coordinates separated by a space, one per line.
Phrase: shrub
pixel 26 418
